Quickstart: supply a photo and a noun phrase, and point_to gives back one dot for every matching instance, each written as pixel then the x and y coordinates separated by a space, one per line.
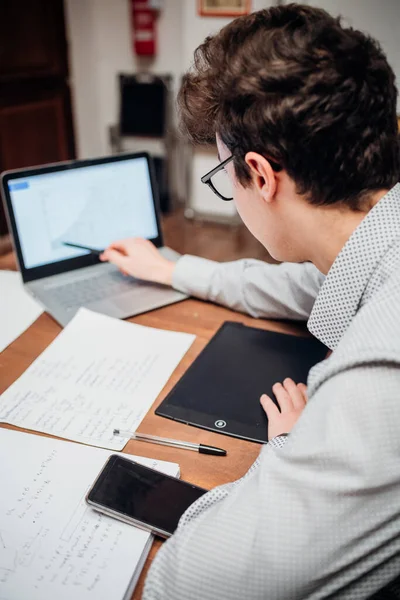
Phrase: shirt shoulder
pixel 372 337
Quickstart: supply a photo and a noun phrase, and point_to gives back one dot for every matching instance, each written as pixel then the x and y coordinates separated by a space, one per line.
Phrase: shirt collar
pixel 340 294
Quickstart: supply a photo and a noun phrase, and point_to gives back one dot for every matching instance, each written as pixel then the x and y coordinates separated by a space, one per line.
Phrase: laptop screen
pixel 92 205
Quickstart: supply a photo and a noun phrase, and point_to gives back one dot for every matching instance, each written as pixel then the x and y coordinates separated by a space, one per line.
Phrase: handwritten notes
pixel 52 545
pixel 98 374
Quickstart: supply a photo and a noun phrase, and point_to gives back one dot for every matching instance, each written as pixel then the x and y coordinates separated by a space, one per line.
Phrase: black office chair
pixel 145 113
pixel 144 104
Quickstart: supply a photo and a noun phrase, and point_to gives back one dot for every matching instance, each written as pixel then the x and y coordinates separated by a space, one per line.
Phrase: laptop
pixel 90 203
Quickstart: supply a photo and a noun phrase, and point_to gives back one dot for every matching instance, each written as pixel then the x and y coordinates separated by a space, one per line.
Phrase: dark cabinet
pixel 35 102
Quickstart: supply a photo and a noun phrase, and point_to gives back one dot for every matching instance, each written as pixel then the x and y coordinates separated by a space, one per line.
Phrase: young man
pixel 304 114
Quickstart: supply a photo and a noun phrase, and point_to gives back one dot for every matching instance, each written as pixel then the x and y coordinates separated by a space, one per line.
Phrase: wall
pixel 83 77
pixel 379 18
pixel 201 199
pixel 196 28
pixel 100 47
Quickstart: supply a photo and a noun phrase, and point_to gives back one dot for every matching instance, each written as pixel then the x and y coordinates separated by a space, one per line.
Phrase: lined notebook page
pixel 52 545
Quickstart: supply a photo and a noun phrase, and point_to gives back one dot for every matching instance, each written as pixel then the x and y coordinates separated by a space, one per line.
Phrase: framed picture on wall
pixel 224 8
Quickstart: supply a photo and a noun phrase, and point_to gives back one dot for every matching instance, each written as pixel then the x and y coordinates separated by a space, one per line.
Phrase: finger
pixel 303 390
pixel 116 258
pixel 269 407
pixel 283 398
pixel 123 246
pixel 294 392
pixel 105 256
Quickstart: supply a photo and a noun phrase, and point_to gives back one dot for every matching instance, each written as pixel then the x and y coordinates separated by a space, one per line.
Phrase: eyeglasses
pixel 219 182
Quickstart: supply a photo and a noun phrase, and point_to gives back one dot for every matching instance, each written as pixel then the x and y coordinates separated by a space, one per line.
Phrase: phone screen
pixel 143 494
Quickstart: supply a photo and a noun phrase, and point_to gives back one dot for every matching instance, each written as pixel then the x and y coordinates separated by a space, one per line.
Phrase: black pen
pixel 144 437
pixel 91 250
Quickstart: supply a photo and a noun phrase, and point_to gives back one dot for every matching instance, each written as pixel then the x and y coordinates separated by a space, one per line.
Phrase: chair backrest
pixel 143 105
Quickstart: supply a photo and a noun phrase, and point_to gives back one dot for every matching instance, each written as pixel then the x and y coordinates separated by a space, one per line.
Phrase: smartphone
pixel 141 496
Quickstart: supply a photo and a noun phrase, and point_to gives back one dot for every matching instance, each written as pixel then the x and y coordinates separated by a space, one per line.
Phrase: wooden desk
pixel 191 316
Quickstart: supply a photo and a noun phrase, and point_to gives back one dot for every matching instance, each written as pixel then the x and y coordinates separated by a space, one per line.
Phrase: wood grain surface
pixel 191 316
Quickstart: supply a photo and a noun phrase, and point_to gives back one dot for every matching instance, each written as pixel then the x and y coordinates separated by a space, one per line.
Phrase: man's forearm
pixel 286 291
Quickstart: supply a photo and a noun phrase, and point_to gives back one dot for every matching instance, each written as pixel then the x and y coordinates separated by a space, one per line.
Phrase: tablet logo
pixel 220 423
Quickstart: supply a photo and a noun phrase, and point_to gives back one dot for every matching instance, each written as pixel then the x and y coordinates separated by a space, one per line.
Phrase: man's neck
pixel 332 229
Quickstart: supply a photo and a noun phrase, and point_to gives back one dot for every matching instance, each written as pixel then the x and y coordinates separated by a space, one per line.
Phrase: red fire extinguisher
pixel 144 16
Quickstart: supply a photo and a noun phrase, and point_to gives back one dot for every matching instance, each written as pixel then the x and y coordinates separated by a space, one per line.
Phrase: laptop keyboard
pixel 86 291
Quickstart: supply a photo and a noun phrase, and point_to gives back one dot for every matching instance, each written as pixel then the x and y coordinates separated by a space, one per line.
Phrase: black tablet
pixel 222 388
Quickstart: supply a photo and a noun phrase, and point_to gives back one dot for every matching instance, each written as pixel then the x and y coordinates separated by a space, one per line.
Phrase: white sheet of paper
pixel 18 310
pixel 98 374
pixel 52 545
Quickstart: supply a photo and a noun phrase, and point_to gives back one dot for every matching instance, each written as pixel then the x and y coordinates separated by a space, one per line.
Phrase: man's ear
pixel 262 174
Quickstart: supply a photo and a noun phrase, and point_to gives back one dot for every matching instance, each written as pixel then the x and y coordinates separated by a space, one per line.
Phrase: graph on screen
pixel 91 206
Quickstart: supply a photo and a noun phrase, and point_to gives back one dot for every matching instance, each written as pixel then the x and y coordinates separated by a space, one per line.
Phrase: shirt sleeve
pixel 308 520
pixel 285 291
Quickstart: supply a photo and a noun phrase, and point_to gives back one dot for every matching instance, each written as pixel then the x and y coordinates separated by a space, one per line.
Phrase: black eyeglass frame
pixel 207 178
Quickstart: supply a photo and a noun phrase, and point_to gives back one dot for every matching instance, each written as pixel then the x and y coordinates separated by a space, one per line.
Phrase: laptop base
pixel 101 288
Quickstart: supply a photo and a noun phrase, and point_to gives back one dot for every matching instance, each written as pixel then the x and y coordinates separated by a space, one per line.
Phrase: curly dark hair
pixel 295 85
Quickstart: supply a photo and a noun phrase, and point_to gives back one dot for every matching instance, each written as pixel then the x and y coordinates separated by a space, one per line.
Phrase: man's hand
pixel 291 399
pixel 140 258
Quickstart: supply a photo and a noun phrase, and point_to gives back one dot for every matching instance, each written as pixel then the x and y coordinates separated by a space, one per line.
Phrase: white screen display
pixel 92 206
